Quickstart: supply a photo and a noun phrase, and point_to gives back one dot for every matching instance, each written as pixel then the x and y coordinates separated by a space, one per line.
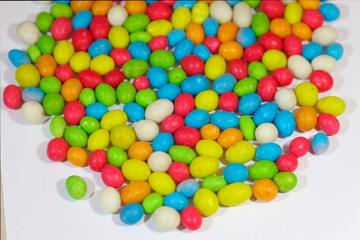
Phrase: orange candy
pixel 195 32
pixel 229 136
pixel 140 150
pixel 231 50
pixel 309 4
pixel 71 89
pixel 264 190
pixel 210 132
pixel 101 7
pixel 227 32
pixel 46 65
pixel 280 27
pixel 135 7
pixel 135 192
pixel 77 156
pixel 78 6
pixel 302 30
pixel 306 118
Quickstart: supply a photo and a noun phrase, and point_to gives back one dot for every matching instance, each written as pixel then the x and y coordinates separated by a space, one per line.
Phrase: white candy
pixel 159 161
pixel 285 98
pixel 32 112
pixel 166 218
pixel 146 130
pixel 110 200
pixel 242 15
pixel 117 15
pixel 158 110
pixel 324 35
pixel 266 133
pixel 221 11
pixel 299 67
pixel 28 32
pixel 324 62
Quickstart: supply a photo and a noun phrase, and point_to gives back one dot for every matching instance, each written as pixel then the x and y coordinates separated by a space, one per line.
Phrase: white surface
pixel 324 205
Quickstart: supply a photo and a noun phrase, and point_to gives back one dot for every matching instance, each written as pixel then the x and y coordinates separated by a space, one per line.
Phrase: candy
pixel 234 194
pixel 82 39
pixel 221 11
pixel 80 61
pixel 268 151
pixel 161 183
pixel 146 130
pixel 335 50
pixel 96 110
pixel 242 15
pixel 285 181
pixel 109 200
pixel 77 156
pixel 188 187
pixel 209 148
pixel 329 11
pixel 264 190
pixel 179 172
pixel 287 163
pixel 206 202
pixel 266 133
pixel 224 120
pixel 166 218
pixel 186 136
pixel 324 62
pixel 73 112
pixel 176 201
pixel 324 35
pixel 228 101
pixel 299 146
pixel 299 66
pixel 285 123
pixel 122 136
pixel 82 19
pixel 240 152
pixel 135 192
pixel 76 187
pixel 331 104
pixel 191 218
pixel 57 149
pixel 306 118
pixel 53 103
pixel 152 202
pixel 97 160
pixel 214 183
pixel 320 143
pixel 328 123
pixel 182 154
pixel 229 137
pixel 112 176
pixel 61 10
pixel 172 123
pixel 116 156
pixel 236 172
pixel 197 118
pixel 158 110
pixel 131 213
pixel 28 32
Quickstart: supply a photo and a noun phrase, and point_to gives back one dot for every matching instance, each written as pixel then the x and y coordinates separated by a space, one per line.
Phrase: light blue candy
pixel 188 187
pixel 169 91
pixel 312 50
pixel 210 26
pixel 189 4
pixel 157 77
pixel 245 37
pixel 139 50
pixel 131 213
pixel 100 47
pixel 197 118
pixel 32 94
pixel 176 200
pixel 233 2
pixel 163 142
pixel 195 84
pixel 82 19
pixel 236 172
pixel 266 113
pixel 96 110
pixel 335 50
pixel 202 52
pixel 285 123
pixel 18 58
pixel 330 11
pixel 224 83
pixel 134 111
pixel 249 103
pixel 183 49
pixel 175 36
pixel 224 120
pixel 63 2
pixel 320 143
pixel 268 151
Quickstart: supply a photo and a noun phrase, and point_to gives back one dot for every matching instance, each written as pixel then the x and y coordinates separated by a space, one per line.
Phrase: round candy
pixel 191 218
pixel 152 202
pixel 135 192
pixel 206 202
pixel 320 143
pixel 188 187
pixel 12 96
pixel 28 32
pixel 299 146
pixel 57 149
pixel 204 166
pixel 109 200
pixel 240 152
pixel 176 200
pixel 76 187
pixel 236 172
pixel 287 163
pixel 266 133
pixel 32 112
pixel 285 181
pixel 264 190
pixel 131 213
pixel 97 160
pixel 166 218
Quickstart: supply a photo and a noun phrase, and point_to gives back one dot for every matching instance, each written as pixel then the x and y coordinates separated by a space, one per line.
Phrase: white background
pixel 324 205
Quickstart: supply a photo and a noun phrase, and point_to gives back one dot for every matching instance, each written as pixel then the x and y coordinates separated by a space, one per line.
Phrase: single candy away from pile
pixel 232 64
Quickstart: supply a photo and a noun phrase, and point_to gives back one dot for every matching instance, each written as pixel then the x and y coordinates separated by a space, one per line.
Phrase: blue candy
pixel 266 113
pixel 210 26
pixel 245 37
pixel 224 120
pixel 163 142
pixel 335 50
pixel 236 172
pixel 224 83
pixel 188 187
pixel 100 47
pixel 197 118
pixel 312 50
pixel 330 11
pixel 195 84
pixel 268 151
pixel 134 111
pixel 183 49
pixel 249 103
pixel 176 200
pixel 175 36
pixel 139 50
pixel 189 4
pixel 32 94
pixel 202 52
pixel 96 110
pixel 131 213
pixel 150 1
pixel 169 91
pixel 82 19
pixel 233 2
pixel 320 143
pixel 18 58
pixel 63 2
pixel 157 77
pixel 285 123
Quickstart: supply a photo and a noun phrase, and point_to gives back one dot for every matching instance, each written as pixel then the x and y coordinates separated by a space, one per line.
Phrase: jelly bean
pixel 32 112
pixel 335 50
pixel 195 85
pixel 135 7
pixel 141 36
pixel 242 15
pixel 71 89
pixel 206 202
pixel 320 143
pixel 176 200
pixel 287 163
pixel 159 28
pixel 212 43
pixel 169 91
pixel 209 131
pixel 299 67
pixel 210 26
pixel 192 65
pixel 113 118
pixel 234 194
pixel 159 161
pixel 273 59
pixel 285 98
pixel 324 62
pixel 328 123
pixel 285 123
pixel 44 21
pixel 240 152
pixel 125 92
pixel 131 213
pixel 184 104
pixel 180 18
pixel 77 156
pixel 61 28
pixel 139 50
pixel 141 83
pixel 145 97
pixel 82 19
pixel 236 172
pixel 101 8
pixel 105 94
pixel 135 192
pixel 302 30
pixel 179 171
pixel 293 12
pixel 263 170
pixel 33 53
pixel 161 183
pixel 53 103
pixel 182 154
pixel 331 104
pixel 266 133
pixel 172 123
pixel 114 78
pixel 260 24
pixel 18 57
pixel 102 64
pixel 61 10
pixel 312 50
pixel 306 118
pixel 299 146
pixel 273 9
pixel 245 37
pixel 28 32
pixel 97 160
pixel 50 84
pixel 292 45
pixel 313 18
pixel 163 142
pixel 285 181
pixel 46 65
pixel 75 136
pixel 224 120
pixel 166 218
pixel 264 190
pixel 134 111
pixel 135 170
pixel 281 27
pixel 122 136
pixel 76 187
pixel 99 27
pixel 215 67
pixel 266 113
pixel 197 118
pixel 90 78
pixel 195 33
pixel 188 187
pixel 80 61
pixel 207 100
pixel 146 130
pixel 200 12
pixel 191 218
pixel 253 53
pixel 221 11
pixel 231 50
pixel 57 149
pixel 162 58
pixel 309 4
pixel 89 124
pixel 63 52
pixel 306 93
pixel 80 6
pixel 158 43
pixel 109 200
pixel 324 35
pixel 73 112
pixel 249 103
pixel 257 70
pixel 209 148
pixel 330 11
pixel 247 127
pixel 268 151
pixel 135 68
pixel 283 76
pixel 27 75
pixel 238 69
pixel 227 32
pixel 82 39
pixel 116 156
pixel 117 15
pixel 229 137
pixel 322 80
pixel 99 47
pixel 159 10
pixel 183 49
pixel 187 136
pixel 28 94
pixel 202 52
pixel 12 96
pixel 267 88
pixel 176 36
pixel 214 183
pixel 152 202
pixel 271 41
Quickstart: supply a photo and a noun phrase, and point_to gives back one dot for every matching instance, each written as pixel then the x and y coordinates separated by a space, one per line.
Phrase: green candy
pixel 141 36
pixel 89 124
pixel 252 3
pixel 34 53
pixel 176 76
pixel 87 96
pixel 76 187
pixel 75 136
pixel 257 70
pixel 260 24
pixel 53 103
pixel 46 44
pixel 61 10
pixel 125 92
pixel 214 183
pixel 152 202
pixel 44 21
pixel 245 86
pixel 145 97
pixel 57 126
pixel 162 58
pixel 105 94
pixel 264 169
pixel 116 156
pixel 285 181
pixel 247 127
pixel 136 23
pixel 135 68
pixel 182 154
pixel 50 84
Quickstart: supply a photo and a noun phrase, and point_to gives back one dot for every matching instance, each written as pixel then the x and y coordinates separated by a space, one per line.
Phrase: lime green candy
pixel 99 139
pixel 125 92
pixel 214 183
pixel 105 94
pixel 204 166
pixel 260 23
pixel 245 86
pixel 144 97
pixel 76 187
pixel 57 126
pixel 152 202
pixel 50 84
pixel 63 52
pixel 234 194
pixel 113 118
pixel 116 156
pixel 264 169
pixel 252 3
pixel 159 28
pixel 257 70
pixel 182 154
pixel 75 136
pixel 332 105
pixel 27 75
pixel 247 127
pixel 87 96
pixel 34 53
pixel 44 21
pixel 53 103
pixel 136 22
pixel 176 76
pixel 141 36
pixel 162 58
pixel 61 10
pixel 215 67
pixel 273 59
pixel 89 124
pixel 285 181
pixel 46 44
pixel 135 68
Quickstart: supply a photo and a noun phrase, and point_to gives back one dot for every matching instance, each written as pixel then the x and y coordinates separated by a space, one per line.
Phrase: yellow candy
pixel 274 59
pixel 122 136
pixel 206 201
pixel 27 75
pixel 240 152
pixel 200 12
pixel 207 100
pixel 102 64
pixel 306 94
pixel 333 105
pixel 135 170
pixel 215 67
pixel 181 17
pixel 99 139
pixel 159 28
pixel 112 119
pixel 119 37
pixel 234 194
pixel 204 166
pixel 63 52
pixel 209 148
pixel 293 12
pixel 80 61
pixel 161 183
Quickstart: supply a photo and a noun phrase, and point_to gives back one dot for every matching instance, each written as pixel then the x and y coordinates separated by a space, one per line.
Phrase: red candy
pixel 74 111
pixel 313 18
pixel 112 176
pixel 271 41
pixel 120 56
pixel 97 160
pixel 90 78
pixel 292 45
pixel 184 104
pixel 253 53
pixel 114 78
pixel 172 123
pixel 283 76
pixel 99 27
pixel 191 218
pixel 322 80
pixel 82 39
pixel 299 146
pixel 192 65
pixel 238 68
pixel 267 88
pixel 64 73
pixel 159 10
pixel 158 43
pixel 328 123
pixel 12 97
pixel 179 171
pixel 141 83
pixel 57 149
pixel 187 136
pixel 228 101
pixel 287 163
pixel 212 43
pixel 272 9
pixel 61 28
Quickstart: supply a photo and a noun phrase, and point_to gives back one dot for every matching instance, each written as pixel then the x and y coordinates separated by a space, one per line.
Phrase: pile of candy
pixel 164 93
